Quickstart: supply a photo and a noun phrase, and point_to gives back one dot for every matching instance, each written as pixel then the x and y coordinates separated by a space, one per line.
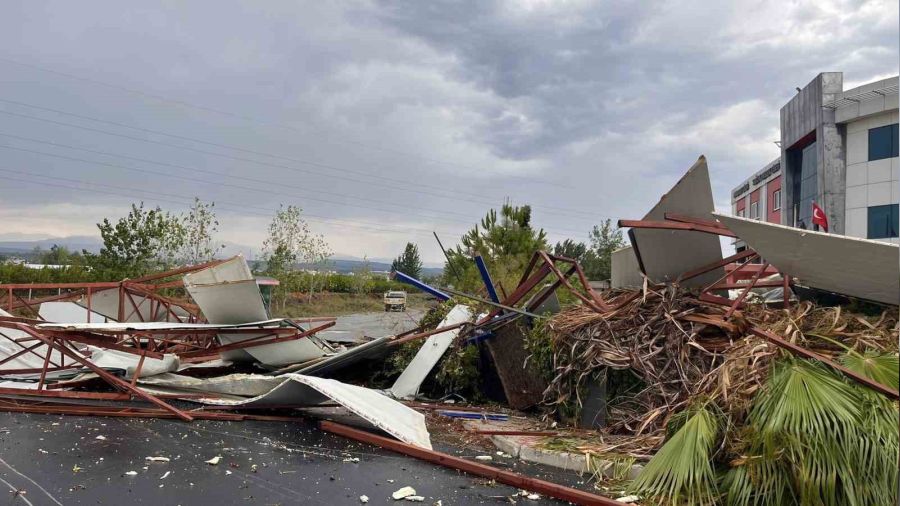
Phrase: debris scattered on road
pixel 403 493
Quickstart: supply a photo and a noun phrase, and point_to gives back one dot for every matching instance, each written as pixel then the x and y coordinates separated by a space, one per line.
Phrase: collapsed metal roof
pixel 846 265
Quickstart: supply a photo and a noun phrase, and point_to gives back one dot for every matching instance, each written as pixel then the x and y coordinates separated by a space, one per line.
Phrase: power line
pixel 453 197
pixel 195 169
pixel 240 208
pixel 256 120
pixel 237 207
pixel 237 148
pixel 224 174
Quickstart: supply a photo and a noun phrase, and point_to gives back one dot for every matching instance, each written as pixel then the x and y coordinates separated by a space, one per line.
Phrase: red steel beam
pixel 807 353
pixel 109 378
pixel 507 477
pixel 250 343
pixel 715 265
pixel 674 225
pixel 738 286
pixel 737 302
pixel 520 291
pixel 696 221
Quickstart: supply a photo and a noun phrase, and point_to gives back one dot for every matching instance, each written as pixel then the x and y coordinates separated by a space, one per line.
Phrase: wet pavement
pixel 358 327
pixel 53 460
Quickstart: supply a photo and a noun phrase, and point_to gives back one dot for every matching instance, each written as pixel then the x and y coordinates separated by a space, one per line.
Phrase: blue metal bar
pixel 486 277
pixel 409 280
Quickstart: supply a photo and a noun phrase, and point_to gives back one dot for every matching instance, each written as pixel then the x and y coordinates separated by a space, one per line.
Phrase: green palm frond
pixel 883 368
pixel 815 438
pixel 682 470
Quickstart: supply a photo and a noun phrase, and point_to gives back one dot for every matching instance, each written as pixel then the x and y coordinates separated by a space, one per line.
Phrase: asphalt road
pixel 53 460
pixel 356 327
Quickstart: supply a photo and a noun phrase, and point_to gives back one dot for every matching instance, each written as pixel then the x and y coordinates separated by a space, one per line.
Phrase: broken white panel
pixel 30 360
pixel 127 362
pixel 846 265
pixel 227 293
pixel 106 302
pixel 624 269
pixel 407 385
pixel 68 312
pixel 253 390
pixel 233 269
pixel 666 254
pixel 154 326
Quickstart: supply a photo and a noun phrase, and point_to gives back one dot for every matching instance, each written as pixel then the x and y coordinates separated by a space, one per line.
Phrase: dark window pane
pixel 882 142
pixel 895 139
pixel 883 221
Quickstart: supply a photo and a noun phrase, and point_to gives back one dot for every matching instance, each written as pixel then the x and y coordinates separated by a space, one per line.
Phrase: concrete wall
pixel 624 269
pixel 871 105
pixel 802 116
pixel 872 183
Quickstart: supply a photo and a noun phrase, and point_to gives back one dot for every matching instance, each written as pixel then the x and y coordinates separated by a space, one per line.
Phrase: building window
pixel 883 142
pixel 754 210
pixel 740 212
pixel 883 221
pixel 776 200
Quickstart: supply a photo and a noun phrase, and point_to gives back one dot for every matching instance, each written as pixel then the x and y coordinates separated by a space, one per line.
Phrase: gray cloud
pixel 380 113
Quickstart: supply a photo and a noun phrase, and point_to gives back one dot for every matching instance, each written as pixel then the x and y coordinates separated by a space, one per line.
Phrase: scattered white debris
pixel 43 451
pixel 486 458
pixel 504 455
pixel 533 497
pixel 414 498
pixel 629 499
pixel 227 472
pixel 156 459
pixel 390 481
pixel 101 438
pixel 215 460
pixel 166 475
pixel 364 499
pixel 253 468
pixel 130 473
pixel 403 493
pixel 438 503
pixel 352 459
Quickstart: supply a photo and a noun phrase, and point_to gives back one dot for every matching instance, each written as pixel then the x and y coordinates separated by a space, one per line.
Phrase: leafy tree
pixel 200 225
pixel 570 249
pixel 506 242
pixel 290 241
pixel 145 240
pixel 604 239
pixel 408 262
pixel 57 255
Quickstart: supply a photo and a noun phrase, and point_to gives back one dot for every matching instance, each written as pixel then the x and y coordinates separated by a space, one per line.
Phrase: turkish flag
pixel 818 217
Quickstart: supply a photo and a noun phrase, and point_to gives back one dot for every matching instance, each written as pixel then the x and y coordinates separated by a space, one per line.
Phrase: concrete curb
pixel 563 460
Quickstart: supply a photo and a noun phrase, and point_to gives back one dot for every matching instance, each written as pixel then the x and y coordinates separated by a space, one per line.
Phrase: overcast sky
pixel 385 121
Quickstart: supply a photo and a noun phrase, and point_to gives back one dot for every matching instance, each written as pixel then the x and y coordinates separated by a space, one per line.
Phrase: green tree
pixel 200 226
pixel 408 262
pixel 145 240
pixel 604 239
pixel 570 249
pixel 290 241
pixel 506 241
pixel 56 255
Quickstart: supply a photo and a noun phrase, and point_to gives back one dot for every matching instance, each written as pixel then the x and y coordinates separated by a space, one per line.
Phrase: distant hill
pixel 339 263
pixel 345 266
pixel 73 243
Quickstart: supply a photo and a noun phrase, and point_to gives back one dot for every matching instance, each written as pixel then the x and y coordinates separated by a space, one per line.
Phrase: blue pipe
pixel 409 280
pixel 486 278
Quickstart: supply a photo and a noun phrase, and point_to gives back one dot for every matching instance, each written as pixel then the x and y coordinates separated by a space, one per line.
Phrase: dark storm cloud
pixel 413 115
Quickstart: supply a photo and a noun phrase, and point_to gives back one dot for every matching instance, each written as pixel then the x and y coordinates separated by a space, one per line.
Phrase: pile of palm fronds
pixel 744 422
pixel 671 342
